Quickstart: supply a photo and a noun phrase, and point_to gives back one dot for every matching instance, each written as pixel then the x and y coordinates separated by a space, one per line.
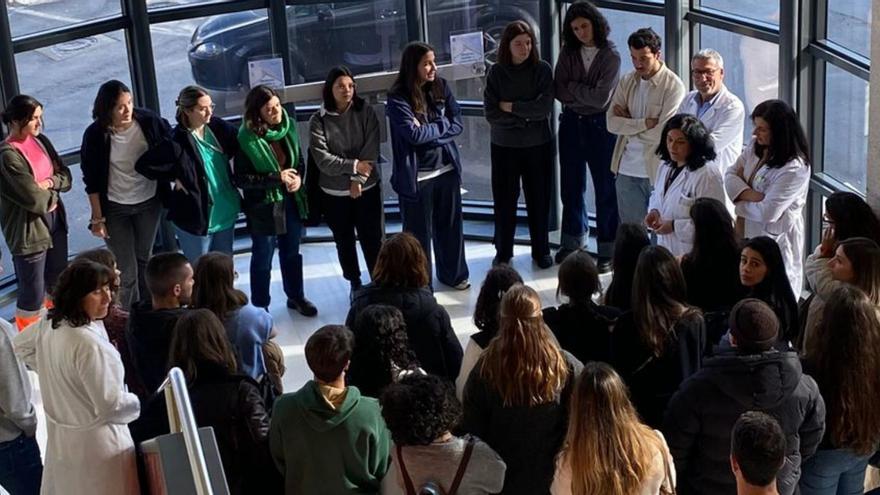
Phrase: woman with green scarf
pixel 269 171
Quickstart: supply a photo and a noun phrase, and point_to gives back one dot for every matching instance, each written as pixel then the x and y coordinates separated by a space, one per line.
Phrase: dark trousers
pixel 291 261
pixel 344 215
pixel 534 167
pixel 436 216
pixel 131 231
pixel 584 141
pixel 38 272
pixel 21 469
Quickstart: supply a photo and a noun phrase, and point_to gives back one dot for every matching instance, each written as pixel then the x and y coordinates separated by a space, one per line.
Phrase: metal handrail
pixel 182 420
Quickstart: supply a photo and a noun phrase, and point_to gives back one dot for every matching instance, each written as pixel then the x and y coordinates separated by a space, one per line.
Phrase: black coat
pixel 652 380
pixel 95 151
pixel 178 159
pixel 428 327
pixel 583 330
pixel 700 416
pixel 262 218
pixel 149 340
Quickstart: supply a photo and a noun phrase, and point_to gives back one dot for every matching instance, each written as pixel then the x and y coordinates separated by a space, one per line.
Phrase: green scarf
pixel 260 154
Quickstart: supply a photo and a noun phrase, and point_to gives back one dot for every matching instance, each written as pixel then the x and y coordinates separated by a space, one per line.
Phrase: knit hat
pixel 754 325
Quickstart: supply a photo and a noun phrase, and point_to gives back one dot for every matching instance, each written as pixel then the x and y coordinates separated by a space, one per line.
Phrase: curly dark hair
pixel 645 38
pixel 419 409
pixel 76 282
pixel 380 342
pixel 498 280
pixel 698 137
pixel 589 12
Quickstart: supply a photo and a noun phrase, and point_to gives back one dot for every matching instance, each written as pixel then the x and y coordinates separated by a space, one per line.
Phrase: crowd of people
pixel 700 369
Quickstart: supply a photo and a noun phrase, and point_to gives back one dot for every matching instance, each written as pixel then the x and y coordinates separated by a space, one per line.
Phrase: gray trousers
pixel 131 231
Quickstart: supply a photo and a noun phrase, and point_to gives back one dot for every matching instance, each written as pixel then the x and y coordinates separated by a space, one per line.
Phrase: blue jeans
pixel 20 466
pixel 262 251
pixel 194 246
pixel 834 472
pixel 633 194
pixel 584 141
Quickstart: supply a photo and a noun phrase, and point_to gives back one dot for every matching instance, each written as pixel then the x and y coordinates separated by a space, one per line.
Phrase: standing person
pixel 763 275
pixel 125 205
pixel 642 103
pixel 516 398
pixel 607 448
pixel 685 149
pixel 424 120
pixel 269 170
pixel 843 356
pixel 203 205
pixel 587 71
pixel 344 142
pixel 757 453
pixel 32 215
pixel 518 101
pixel 89 449
pixel 769 183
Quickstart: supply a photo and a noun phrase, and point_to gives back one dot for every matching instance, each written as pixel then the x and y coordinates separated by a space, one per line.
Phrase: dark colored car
pixel 366 36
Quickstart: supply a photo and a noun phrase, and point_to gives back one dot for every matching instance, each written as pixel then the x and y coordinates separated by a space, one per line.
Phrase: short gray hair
pixel 709 54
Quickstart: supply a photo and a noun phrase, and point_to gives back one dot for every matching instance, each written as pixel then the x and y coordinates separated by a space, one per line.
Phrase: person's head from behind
pixel 659 296
pixel 848 215
pixel 199 340
pixel 578 278
pixel 857 261
pixel 113 106
pixel 685 141
pixel 757 449
pixel 608 449
pixel 761 267
pixel 170 276
pixel 23 116
pixel 498 280
pixel 262 109
pixel 524 348
pixel 778 132
pixel 754 326
pixel 328 352
pixel 713 228
pixel 518 44
pixel 380 334
pixel 194 107
pixel 419 409
pixel 82 294
pixel 340 90
pixel 401 263
pixel 631 238
pixel 105 257
pixel 584 25
pixel 214 284
pixel 644 50
pixel 707 72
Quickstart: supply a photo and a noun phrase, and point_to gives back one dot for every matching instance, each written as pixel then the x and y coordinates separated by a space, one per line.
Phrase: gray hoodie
pixel 17 414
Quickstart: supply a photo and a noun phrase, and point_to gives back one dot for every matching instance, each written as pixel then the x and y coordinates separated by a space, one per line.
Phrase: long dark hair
pixel 775 289
pixel 852 217
pixel 357 103
pixel 702 147
pixel 844 354
pixel 511 31
pixel 199 338
pixel 628 243
pixel 19 108
pixel 588 11
pixel 787 138
pixel 864 256
pixel 253 103
pixel 76 282
pixel 105 102
pixel 498 280
pixel 213 287
pixel 715 240
pixel 421 98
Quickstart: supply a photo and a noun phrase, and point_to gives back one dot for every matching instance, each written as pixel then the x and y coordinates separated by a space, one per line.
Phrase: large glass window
pixel 849 24
pixel 65 78
pixel 759 10
pixel 162 4
pixel 846 127
pixel 751 67
pixel 625 23
pixel 28 17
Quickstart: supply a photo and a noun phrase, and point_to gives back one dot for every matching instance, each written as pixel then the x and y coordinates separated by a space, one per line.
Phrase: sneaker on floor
pixel 463 285
pixel 563 253
pixel 543 262
pixel 303 306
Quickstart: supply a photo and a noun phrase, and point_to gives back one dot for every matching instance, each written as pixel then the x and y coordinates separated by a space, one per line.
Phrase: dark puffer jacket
pixel 428 327
pixel 700 416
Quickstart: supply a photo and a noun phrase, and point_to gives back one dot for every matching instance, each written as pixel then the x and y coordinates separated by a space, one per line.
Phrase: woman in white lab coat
pixel 769 182
pixel 89 448
pixel 685 148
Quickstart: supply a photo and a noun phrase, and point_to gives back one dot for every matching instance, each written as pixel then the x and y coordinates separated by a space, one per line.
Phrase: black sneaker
pixel 562 254
pixel 603 264
pixel 303 306
pixel 544 262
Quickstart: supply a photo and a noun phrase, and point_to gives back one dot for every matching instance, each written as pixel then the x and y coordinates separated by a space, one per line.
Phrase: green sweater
pixel 327 452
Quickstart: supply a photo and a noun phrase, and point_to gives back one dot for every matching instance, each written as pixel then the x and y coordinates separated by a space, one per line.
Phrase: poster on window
pixel 267 71
pixel 468 52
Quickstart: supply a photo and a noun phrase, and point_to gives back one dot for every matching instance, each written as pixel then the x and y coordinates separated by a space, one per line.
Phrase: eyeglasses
pixel 703 72
pixel 210 107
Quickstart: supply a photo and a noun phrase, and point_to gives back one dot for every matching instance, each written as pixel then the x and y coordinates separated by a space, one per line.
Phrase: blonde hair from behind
pixel 523 362
pixel 607 447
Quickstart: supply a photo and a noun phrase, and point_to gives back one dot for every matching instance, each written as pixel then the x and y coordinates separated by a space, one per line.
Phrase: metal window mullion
pixel 845 60
pixel 676 37
pixel 140 54
pixel 416 20
pixel 8 74
pixel 63 34
pixel 279 33
pixel 192 11
pixel 639 8
pixel 788 50
pixel 745 28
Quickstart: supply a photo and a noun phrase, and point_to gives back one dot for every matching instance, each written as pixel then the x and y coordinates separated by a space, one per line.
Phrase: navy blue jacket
pixel 178 159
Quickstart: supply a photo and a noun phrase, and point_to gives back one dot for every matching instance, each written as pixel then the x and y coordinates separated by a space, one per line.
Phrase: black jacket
pixel 262 218
pixel 178 159
pixel 713 286
pixel 583 330
pixel 149 339
pixel 700 416
pixel 652 380
pixel 428 327
pixel 95 151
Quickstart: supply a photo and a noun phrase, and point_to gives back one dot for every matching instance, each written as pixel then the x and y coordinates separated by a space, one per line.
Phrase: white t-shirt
pixel 632 163
pixel 124 185
pixel 588 54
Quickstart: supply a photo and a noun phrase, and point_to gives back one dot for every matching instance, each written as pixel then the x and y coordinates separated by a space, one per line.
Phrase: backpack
pixel 430 487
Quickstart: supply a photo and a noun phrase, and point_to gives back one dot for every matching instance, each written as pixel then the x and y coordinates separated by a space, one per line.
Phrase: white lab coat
pixel 675 203
pixel 780 215
pixel 89 448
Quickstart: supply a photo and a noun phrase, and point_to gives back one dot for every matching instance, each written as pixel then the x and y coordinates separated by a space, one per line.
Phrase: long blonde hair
pixel 523 362
pixel 608 449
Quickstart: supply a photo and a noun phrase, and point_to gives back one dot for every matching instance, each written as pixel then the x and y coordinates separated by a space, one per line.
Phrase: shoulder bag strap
pixel 408 484
pixel 462 466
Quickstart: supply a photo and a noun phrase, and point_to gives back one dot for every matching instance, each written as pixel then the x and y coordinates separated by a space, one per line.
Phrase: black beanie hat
pixel 754 325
